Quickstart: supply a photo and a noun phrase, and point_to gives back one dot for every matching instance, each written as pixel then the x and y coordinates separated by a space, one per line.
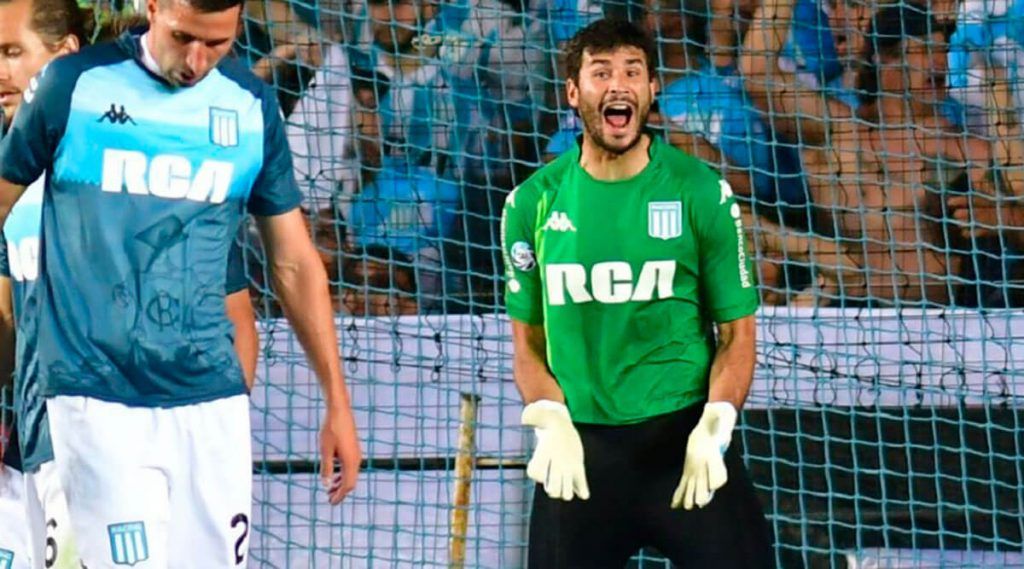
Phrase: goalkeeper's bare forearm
pixel 732 370
pixel 529 364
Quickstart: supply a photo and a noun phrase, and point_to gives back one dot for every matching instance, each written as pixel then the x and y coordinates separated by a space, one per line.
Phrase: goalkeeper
pixel 620 255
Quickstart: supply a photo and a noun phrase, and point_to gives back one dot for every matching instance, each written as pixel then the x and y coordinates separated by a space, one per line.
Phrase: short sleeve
pixel 236 278
pixel 27 150
pixel 275 191
pixel 727 278
pixel 5 265
pixel 523 294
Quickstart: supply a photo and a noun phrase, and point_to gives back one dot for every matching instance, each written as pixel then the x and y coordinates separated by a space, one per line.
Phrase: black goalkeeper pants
pixel 632 472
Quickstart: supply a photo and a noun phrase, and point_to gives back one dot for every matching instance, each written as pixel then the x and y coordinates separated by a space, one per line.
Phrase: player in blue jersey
pixel 36 32
pixel 154 149
pixel 32 32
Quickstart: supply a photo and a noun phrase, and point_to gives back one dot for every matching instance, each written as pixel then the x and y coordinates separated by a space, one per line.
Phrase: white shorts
pixel 14 540
pixel 155 488
pixel 49 527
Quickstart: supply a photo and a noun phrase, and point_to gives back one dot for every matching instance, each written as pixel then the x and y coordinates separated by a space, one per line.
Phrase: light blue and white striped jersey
pixel 146 185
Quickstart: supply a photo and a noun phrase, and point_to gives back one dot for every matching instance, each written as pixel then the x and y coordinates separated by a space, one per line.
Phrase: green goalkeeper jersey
pixel 627 278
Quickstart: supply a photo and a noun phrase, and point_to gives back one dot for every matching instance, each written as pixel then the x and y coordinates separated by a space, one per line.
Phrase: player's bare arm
pixel 301 285
pixel 9 195
pixel 247 341
pixel 557 461
pixel 732 370
pixel 798 113
pixel 6 344
pixel 529 364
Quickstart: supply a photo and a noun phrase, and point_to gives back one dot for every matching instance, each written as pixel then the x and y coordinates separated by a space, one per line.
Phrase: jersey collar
pixel 133 42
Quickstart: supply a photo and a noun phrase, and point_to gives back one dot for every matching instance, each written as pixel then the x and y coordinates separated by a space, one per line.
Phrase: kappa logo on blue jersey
pixel 116 115
pixel 6 559
pixel 223 127
pixel 128 543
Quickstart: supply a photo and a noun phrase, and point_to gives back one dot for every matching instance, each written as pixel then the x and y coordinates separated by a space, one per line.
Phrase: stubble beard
pixel 593 120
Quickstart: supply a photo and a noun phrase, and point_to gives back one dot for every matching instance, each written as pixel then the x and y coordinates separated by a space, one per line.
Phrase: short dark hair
pixel 606 35
pixel 54 20
pixel 890 26
pixel 210 6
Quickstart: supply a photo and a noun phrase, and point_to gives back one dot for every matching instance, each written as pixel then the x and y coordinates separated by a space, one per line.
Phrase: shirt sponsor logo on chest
pixel 167 176
pixel 610 282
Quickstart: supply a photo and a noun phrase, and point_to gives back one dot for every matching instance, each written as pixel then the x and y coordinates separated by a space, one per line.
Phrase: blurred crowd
pixel 876 146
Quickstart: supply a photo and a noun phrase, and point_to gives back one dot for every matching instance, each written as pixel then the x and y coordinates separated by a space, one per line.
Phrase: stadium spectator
pixel 379 281
pixel 409 209
pixel 709 115
pixel 990 219
pixel 453 100
pixel 824 37
pixel 470 60
pixel 321 133
pixel 986 31
pixel 878 172
pixel 550 24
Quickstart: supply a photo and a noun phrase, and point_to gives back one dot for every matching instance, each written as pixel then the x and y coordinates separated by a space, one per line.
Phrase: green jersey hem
pixel 651 410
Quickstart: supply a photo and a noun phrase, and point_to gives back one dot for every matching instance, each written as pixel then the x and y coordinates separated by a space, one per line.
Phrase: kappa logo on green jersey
pixel 558 221
pixel 609 282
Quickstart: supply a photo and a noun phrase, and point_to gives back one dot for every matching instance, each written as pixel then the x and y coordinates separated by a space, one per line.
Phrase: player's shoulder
pixel 236 72
pixel 91 56
pixel 551 175
pixel 547 179
pixel 63 72
pixel 689 173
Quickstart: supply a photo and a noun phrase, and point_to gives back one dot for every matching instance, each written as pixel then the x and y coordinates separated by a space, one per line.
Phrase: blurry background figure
pixel 878 171
pixel 987 32
pixel 378 281
pixel 410 210
pixel 454 103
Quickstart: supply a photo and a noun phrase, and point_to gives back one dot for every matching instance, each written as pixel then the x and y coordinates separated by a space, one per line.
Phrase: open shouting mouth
pixel 618 115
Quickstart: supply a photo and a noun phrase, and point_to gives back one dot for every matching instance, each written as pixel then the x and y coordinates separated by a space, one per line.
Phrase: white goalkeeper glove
pixel 557 462
pixel 704 470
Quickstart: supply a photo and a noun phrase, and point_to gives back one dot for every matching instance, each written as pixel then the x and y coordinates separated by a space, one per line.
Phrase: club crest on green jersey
pixel 665 219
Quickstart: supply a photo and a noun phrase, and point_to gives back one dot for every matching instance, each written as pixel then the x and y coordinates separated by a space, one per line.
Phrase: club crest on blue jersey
pixel 128 544
pixel 6 559
pixel 664 220
pixel 223 127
